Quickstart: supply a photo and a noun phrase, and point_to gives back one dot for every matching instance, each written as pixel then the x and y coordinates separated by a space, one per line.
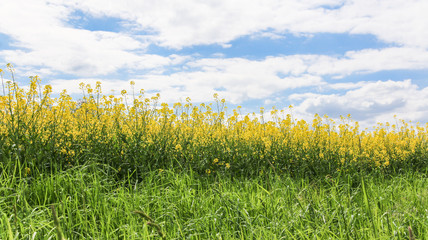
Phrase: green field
pixel 92 204
pixel 132 167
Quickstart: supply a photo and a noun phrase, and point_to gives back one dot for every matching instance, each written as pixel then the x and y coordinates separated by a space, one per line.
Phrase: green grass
pixel 92 203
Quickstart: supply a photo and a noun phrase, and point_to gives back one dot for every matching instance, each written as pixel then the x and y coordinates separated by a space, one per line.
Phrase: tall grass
pixel 91 204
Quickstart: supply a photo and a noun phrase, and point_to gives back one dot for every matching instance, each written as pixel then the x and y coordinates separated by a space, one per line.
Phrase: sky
pixel 367 58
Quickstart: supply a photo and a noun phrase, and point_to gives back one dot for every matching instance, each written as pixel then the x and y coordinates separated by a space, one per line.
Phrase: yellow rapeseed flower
pixel 27 171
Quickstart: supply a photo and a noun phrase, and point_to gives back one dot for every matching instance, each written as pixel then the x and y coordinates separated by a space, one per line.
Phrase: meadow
pixel 131 167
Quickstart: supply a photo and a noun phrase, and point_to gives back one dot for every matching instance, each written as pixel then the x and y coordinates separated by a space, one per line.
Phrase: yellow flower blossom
pixel 113 125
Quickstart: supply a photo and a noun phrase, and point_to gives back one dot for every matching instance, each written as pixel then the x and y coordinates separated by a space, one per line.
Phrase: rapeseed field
pixel 131 131
pixel 134 137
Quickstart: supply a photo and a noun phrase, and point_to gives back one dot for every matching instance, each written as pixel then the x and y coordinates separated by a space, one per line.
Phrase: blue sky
pixel 336 57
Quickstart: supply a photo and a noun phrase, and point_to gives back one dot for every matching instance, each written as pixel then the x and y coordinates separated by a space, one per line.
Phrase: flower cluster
pixel 138 132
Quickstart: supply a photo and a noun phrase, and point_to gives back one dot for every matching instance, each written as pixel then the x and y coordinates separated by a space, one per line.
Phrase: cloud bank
pixel 44 37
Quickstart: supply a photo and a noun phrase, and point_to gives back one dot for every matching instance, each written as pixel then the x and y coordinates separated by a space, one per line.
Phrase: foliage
pixel 44 133
pixel 91 204
pixel 130 167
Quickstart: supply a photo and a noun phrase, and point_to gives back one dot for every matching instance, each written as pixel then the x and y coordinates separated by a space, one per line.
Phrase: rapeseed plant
pixel 40 130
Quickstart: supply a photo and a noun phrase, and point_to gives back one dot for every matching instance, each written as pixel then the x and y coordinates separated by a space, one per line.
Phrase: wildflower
pixel 215 160
pixel 71 153
pixel 89 89
pixel 47 90
pixel 227 165
pixel 27 171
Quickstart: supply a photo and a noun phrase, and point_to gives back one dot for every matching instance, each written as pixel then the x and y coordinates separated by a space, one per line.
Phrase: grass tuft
pixel 58 229
pixel 151 222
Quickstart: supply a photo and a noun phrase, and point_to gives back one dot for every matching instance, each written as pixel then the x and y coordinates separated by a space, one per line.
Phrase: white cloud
pixel 372 102
pixel 48 44
pixel 240 79
pixel 39 28
pixel 346 86
pixel 370 60
pixel 243 79
pixel 191 22
pixel 353 62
